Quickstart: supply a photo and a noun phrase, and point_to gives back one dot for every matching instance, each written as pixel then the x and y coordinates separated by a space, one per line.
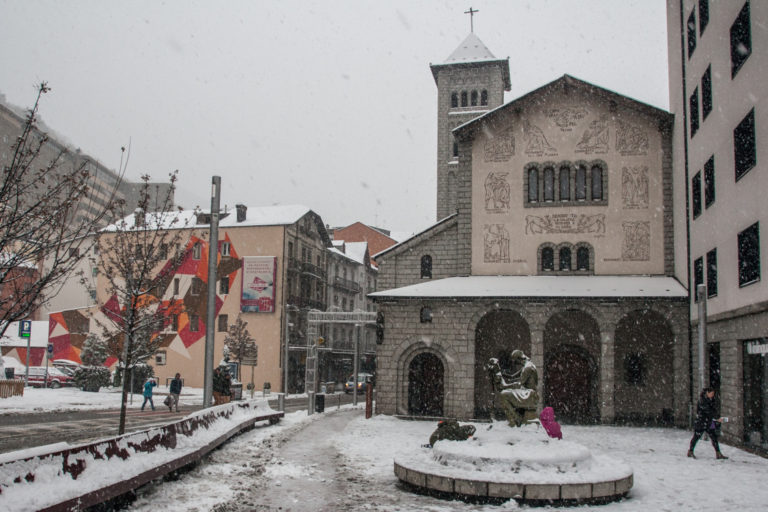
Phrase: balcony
pixel 294 265
pixel 313 270
pixel 304 302
pixel 346 284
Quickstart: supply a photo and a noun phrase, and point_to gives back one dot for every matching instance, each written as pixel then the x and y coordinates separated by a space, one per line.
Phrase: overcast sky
pixel 330 104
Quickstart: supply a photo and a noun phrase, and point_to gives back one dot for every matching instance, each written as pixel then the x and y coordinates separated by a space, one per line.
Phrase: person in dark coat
pixel 707 420
pixel 226 391
pixel 218 385
pixel 174 392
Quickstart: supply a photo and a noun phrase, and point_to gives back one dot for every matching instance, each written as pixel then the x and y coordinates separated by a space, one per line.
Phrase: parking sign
pixel 25 328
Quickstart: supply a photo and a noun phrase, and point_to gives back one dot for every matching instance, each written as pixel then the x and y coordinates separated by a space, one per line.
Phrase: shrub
pixel 91 378
pixel 141 372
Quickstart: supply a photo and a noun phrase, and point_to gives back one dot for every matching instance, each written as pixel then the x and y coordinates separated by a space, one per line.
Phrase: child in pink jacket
pixel 547 418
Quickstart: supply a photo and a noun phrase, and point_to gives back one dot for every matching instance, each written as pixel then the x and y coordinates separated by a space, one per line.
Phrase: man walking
pixel 175 391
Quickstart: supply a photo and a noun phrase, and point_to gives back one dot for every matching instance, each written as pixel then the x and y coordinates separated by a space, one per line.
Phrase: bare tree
pixel 238 341
pixel 138 257
pixel 43 231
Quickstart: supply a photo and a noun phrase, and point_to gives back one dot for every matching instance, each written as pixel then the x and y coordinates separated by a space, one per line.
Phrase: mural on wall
pixel 68 329
pixel 637 241
pixel 595 137
pixel 500 148
pixel 565 223
pixel 497 192
pixel 631 140
pixel 634 187
pixel 495 244
pixel 567 117
pixel 536 142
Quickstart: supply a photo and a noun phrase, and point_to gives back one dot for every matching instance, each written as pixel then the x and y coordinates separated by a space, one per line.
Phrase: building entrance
pixel 426 377
pixel 571 385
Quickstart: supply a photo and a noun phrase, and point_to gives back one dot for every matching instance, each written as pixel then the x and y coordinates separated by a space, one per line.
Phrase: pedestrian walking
pixel 707 420
pixel 218 384
pixel 148 393
pixel 226 389
pixel 175 391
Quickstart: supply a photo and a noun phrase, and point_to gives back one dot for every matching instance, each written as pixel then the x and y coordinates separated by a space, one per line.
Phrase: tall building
pixel 718 65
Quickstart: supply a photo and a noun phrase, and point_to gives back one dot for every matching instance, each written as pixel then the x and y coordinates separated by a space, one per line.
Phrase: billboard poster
pixel 259 273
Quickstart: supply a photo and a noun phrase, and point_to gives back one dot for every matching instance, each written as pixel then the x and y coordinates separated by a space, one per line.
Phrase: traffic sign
pixel 50 348
pixel 25 328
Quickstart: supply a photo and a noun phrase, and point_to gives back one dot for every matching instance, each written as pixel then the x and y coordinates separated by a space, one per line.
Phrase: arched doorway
pixel 497 334
pixel 426 377
pixel 571 356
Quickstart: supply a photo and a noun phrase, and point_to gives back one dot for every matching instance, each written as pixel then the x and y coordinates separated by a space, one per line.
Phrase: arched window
pixel 455 149
pixel 474 98
pixel 426 266
pixel 582 258
pixel 464 98
pixel 425 315
pixel 549 184
pixel 533 185
pixel 484 97
pixel 565 183
pixel 547 259
pixel 454 99
pixel 581 183
pixel 597 183
pixel 565 258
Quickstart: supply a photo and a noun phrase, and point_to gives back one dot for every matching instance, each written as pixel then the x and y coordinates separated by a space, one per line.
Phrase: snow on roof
pixel 277 215
pixel 471 49
pixel 356 250
pixel 542 286
pixel 413 235
pixel 153 220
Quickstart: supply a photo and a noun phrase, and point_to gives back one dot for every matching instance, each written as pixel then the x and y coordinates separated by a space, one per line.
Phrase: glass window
pixel 223 323
pixel 712 273
pixel 176 286
pixel 597 183
pixel 703 15
pixel 581 183
pixel 693 110
pixel 691 33
pixel 224 285
pixel 426 315
pixel 464 101
pixel 547 259
pixel 426 266
pixel 484 97
pixel 565 184
pixel 454 100
pixel 455 150
pixel 749 255
pixel 533 185
pixel 474 98
pixel 745 156
pixel 696 195
pixel 706 93
pixel 698 273
pixel 741 40
pixel 225 248
pixel 197 251
pixel 709 182
pixel 565 258
pixel 549 184
pixel 582 258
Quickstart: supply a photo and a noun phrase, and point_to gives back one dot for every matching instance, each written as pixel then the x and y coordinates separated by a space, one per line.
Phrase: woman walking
pixel 148 393
pixel 707 420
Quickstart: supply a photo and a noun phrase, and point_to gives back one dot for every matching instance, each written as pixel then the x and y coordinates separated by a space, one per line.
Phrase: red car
pixel 56 378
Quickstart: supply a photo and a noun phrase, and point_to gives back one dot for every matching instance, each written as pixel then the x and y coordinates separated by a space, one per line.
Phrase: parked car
pixel 66 366
pixel 56 378
pixel 362 382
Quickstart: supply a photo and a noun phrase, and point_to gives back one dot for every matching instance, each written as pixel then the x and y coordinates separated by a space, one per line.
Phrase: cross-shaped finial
pixel 471 13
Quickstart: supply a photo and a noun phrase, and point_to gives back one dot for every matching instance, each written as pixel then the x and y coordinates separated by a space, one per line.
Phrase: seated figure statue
pixel 518 398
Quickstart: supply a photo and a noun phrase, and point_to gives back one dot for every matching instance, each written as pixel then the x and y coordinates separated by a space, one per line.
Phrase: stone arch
pixel 644 368
pixel 571 365
pixel 411 349
pixel 497 334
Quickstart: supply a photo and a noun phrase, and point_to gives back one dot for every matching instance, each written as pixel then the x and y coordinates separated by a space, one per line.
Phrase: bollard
pixel 281 402
pixel 368 401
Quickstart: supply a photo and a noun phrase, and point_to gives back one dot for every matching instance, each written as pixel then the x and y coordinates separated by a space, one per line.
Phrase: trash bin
pixel 320 402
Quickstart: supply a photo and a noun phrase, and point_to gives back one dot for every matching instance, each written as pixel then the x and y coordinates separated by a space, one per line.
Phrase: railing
pixel 304 302
pixel 346 284
pixel 294 265
pixel 9 388
pixel 308 268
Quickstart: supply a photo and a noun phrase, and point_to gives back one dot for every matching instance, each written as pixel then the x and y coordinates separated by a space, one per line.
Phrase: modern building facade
pixel 718 57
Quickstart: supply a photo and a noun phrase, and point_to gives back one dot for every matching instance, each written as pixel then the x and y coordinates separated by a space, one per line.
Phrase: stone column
pixel 537 354
pixel 607 373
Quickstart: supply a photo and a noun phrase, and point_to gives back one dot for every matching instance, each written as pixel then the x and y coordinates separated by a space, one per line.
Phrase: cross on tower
pixel 471 13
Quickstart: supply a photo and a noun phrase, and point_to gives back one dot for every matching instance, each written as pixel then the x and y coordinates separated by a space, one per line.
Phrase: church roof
pixel 471 49
pixel 540 286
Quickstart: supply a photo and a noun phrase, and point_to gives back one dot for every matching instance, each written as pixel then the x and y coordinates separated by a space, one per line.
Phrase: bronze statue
pixel 518 397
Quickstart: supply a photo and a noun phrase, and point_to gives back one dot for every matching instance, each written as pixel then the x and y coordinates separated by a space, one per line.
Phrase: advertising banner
pixel 259 273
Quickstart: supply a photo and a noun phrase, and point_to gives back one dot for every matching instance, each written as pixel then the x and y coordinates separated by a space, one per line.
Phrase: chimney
pixel 241 209
pixel 138 218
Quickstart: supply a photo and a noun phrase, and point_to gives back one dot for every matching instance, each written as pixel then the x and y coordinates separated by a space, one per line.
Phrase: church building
pixel 554 235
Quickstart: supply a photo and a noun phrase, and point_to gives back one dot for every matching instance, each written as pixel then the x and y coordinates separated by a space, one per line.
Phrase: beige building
pixel 718 57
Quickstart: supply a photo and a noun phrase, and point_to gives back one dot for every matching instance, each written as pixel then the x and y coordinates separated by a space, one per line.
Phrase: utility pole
pixel 701 295
pixel 210 319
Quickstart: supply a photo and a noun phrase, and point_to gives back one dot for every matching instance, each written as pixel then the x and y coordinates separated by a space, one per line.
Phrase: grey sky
pixel 330 104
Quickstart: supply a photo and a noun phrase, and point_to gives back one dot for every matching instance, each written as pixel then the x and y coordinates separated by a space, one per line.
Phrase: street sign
pixel 25 328
pixel 50 348
pixel 251 357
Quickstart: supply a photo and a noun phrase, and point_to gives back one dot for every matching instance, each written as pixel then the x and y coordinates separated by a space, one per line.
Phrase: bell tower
pixel 470 83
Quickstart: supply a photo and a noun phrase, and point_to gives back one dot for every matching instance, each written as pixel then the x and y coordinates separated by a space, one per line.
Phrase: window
pixel 533 185
pixel 712 273
pixel 703 15
pixel 565 258
pixel 693 110
pixel 194 323
pixel 224 285
pixel 290 249
pixel 706 93
pixel 484 97
pixel 691 33
pixel 696 194
pixel 698 274
pixel 597 183
pixel 565 184
pixel 225 246
pixel 223 323
pixel 197 251
pixel 474 98
pixel 175 322
pixel 749 255
pixel 454 100
pixel 426 315
pixel 582 258
pixel 549 184
pixel 197 286
pixel 744 153
pixel 741 40
pixel 547 259
pixel 634 369
pixel 426 267
pixel 95 271
pixel 92 295
pixel 464 98
pixel 581 183
pixel 175 285
pixel 161 358
pixel 344 304
pixel 455 150
pixel 709 182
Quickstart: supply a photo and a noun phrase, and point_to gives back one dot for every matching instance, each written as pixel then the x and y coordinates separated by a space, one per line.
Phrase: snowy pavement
pixel 339 461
